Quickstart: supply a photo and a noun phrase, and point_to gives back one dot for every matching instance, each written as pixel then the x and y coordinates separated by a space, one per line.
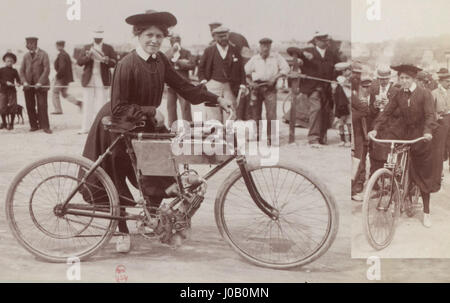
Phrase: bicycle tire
pixel 327 241
pixel 366 209
pixel 85 164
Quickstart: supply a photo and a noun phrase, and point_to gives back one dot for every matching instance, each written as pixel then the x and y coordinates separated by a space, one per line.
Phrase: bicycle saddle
pixel 118 125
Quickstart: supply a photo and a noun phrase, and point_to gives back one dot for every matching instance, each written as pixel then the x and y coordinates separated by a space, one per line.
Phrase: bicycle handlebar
pixel 396 141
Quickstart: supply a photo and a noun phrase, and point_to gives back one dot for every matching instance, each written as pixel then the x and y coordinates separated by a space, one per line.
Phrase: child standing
pixel 342 100
pixel 8 96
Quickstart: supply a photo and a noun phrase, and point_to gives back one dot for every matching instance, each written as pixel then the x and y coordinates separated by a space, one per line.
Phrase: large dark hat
pixel 152 17
pixel 408 69
pixel 265 41
pixel 10 55
pixel 443 74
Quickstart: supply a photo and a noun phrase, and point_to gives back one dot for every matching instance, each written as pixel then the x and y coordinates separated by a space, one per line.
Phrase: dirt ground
pixel 205 257
pixel 411 239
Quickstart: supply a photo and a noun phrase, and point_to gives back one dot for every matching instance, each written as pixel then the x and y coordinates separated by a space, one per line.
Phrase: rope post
pixel 295 76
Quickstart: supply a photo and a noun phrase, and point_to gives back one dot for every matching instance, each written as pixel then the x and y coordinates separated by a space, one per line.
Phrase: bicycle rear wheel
pixel 307 224
pixel 35 196
pixel 380 209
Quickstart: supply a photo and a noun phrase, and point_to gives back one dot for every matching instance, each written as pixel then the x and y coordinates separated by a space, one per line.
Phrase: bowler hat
pixel 60 43
pixel 408 69
pixel 10 55
pixel 152 17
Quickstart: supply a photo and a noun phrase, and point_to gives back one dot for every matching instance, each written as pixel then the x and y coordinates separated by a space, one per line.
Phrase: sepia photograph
pixel 156 142
pixel 400 107
pixel 200 143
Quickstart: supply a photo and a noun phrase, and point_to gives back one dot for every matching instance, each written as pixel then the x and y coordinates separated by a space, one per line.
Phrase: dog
pixel 16 112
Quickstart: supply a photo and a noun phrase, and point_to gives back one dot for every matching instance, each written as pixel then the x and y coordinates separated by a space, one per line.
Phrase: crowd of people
pixel 404 103
pixel 225 67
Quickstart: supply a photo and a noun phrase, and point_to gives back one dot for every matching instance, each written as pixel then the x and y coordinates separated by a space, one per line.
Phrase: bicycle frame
pixel 263 205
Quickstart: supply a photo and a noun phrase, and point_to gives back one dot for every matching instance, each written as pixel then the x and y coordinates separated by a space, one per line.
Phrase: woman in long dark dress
pixel 137 89
pixel 416 109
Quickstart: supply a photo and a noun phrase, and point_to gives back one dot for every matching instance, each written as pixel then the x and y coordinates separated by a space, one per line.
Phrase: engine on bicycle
pixel 168 222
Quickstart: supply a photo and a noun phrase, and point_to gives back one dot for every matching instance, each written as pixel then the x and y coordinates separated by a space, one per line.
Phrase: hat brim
pixel 157 18
pixel 383 77
pixel 10 55
pixel 410 70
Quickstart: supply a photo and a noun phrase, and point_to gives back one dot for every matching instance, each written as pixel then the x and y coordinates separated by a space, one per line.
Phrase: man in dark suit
pixel 183 62
pixel 98 59
pixel 318 61
pixel 34 73
pixel 64 76
pixel 222 70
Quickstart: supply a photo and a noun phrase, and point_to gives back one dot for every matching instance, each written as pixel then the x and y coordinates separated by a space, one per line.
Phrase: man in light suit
pixel 34 73
pixel 221 69
pixel 98 58
pixel 183 62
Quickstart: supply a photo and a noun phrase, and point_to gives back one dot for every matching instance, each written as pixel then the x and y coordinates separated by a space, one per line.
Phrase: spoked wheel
pixel 36 217
pixel 381 207
pixel 307 223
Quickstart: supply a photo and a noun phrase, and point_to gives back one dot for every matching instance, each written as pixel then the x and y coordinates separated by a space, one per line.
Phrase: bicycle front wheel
pixel 34 202
pixel 380 209
pixel 307 223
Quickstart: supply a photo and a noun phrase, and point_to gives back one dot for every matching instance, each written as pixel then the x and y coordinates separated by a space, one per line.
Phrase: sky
pixel 278 19
pixel 400 19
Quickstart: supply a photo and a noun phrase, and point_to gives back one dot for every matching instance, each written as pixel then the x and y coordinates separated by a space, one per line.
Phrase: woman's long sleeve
pixel 121 105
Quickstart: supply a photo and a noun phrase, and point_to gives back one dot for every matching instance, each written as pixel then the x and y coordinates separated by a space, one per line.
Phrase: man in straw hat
pixel 34 73
pixel 98 59
pixel 183 62
pixel 235 38
pixel 381 92
pixel 64 76
pixel 221 68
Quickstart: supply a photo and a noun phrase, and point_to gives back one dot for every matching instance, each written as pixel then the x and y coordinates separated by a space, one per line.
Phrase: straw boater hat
pixel 320 36
pixel 407 69
pixel 213 25
pixel 221 30
pixel 384 72
pixel 98 33
pixel 152 17
pixel 443 74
